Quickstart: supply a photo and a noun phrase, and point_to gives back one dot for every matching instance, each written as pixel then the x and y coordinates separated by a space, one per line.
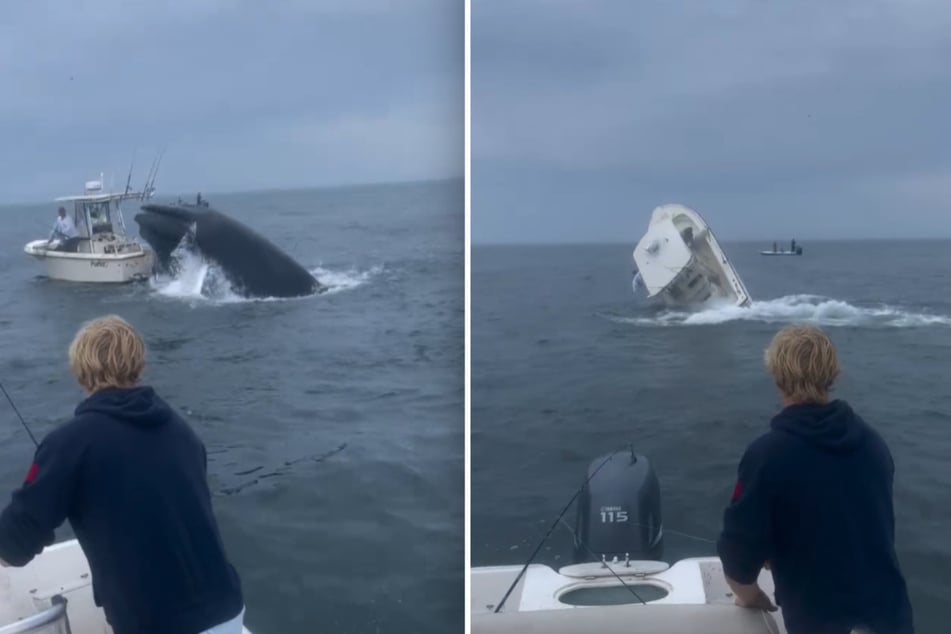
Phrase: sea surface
pixel 334 423
pixel 568 365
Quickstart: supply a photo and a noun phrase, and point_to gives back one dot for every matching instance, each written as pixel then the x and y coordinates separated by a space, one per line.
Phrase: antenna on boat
pixel 153 173
pixel 128 180
pixel 150 176
pixel 17 411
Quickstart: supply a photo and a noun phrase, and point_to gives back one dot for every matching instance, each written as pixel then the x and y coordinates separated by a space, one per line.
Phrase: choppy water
pixel 360 389
pixel 567 365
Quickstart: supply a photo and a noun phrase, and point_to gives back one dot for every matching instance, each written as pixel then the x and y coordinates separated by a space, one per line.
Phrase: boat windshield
pixel 99 216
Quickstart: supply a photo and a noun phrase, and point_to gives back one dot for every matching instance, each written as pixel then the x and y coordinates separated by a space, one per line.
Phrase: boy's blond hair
pixel 803 363
pixel 107 352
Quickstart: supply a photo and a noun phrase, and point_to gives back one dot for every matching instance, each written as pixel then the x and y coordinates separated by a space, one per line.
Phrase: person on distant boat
pixel 775 247
pixel 199 199
pixel 792 246
pixel 813 503
pixel 65 230
pixel 130 475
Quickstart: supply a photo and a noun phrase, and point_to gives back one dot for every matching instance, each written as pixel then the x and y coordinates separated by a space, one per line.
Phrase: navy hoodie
pixel 814 498
pixel 131 477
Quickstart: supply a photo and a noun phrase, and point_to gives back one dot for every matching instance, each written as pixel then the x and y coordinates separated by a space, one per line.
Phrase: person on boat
pixel 65 229
pixel 130 475
pixel 813 503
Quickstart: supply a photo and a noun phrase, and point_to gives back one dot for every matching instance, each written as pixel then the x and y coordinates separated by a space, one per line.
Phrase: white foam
pixel 344 280
pixel 796 308
pixel 196 280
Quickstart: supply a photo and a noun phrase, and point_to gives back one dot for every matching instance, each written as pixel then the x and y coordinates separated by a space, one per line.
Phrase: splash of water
pixel 195 279
pixel 344 280
pixel 815 309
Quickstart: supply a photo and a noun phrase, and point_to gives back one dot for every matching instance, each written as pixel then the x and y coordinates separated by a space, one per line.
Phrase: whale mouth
pixel 255 266
pixel 164 228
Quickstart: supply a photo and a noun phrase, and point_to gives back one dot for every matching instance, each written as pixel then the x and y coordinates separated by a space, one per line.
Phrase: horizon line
pixel 264 190
pixel 555 243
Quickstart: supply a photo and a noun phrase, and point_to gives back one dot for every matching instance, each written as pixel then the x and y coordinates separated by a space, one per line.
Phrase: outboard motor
pixel 619 511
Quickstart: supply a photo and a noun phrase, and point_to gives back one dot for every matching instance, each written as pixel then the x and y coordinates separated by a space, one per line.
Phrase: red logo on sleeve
pixel 736 491
pixel 31 474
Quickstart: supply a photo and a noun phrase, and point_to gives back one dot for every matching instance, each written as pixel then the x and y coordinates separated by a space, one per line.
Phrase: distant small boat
pixel 794 249
pixel 796 252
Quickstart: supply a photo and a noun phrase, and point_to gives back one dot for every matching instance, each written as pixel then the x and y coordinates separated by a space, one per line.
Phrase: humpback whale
pixel 254 266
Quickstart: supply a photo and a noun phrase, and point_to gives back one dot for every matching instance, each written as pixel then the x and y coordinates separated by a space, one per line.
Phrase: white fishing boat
pixel 53 593
pixel 679 262
pixel 103 251
pixel 617 584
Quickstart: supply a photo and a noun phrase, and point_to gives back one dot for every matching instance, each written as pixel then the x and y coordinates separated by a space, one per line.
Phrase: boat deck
pixel 697 599
pixel 60 570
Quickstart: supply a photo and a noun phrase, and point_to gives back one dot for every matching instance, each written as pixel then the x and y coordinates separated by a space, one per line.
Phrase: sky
pixel 241 95
pixel 773 119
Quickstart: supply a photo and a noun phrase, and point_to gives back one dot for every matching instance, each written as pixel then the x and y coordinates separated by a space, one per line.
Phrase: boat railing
pixel 54 615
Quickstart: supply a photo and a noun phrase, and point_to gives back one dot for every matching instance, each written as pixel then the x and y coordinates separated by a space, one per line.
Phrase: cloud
pixel 742 107
pixel 87 84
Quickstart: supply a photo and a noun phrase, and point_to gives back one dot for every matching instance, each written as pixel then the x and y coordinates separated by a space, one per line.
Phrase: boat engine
pixel 619 511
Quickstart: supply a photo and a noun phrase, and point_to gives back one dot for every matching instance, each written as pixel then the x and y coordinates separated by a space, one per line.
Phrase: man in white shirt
pixel 64 229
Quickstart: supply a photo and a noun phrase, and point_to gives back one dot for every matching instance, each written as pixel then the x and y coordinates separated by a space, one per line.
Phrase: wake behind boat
pixel 680 263
pixel 53 593
pixel 608 589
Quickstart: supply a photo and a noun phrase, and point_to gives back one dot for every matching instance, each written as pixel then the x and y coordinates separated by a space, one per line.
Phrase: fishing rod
pixel 281 470
pixel 22 422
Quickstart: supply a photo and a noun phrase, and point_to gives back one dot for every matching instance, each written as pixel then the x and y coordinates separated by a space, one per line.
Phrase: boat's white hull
pixel 680 263
pixel 697 600
pixel 61 569
pixel 780 252
pixel 95 268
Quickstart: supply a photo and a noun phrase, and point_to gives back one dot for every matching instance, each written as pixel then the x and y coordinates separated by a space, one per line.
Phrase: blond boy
pixel 130 476
pixel 813 498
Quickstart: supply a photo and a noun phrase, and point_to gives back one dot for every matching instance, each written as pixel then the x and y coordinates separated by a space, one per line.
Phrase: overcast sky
pixel 773 119
pixel 244 94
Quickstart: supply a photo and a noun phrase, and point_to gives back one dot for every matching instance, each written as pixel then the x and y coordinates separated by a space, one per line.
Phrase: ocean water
pixel 567 365
pixel 334 424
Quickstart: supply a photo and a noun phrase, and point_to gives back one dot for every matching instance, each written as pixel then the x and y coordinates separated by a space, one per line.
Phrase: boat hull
pixel 680 263
pixel 93 268
pixel 780 252
pixel 61 569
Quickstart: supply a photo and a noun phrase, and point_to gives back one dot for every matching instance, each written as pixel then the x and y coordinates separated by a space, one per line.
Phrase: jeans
pixel 234 626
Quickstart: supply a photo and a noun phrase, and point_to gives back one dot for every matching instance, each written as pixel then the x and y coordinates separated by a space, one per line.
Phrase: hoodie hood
pixel 138 406
pixel 833 426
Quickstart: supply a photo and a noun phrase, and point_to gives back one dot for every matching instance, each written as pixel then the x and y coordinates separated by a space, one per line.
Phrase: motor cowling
pixel 619 512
